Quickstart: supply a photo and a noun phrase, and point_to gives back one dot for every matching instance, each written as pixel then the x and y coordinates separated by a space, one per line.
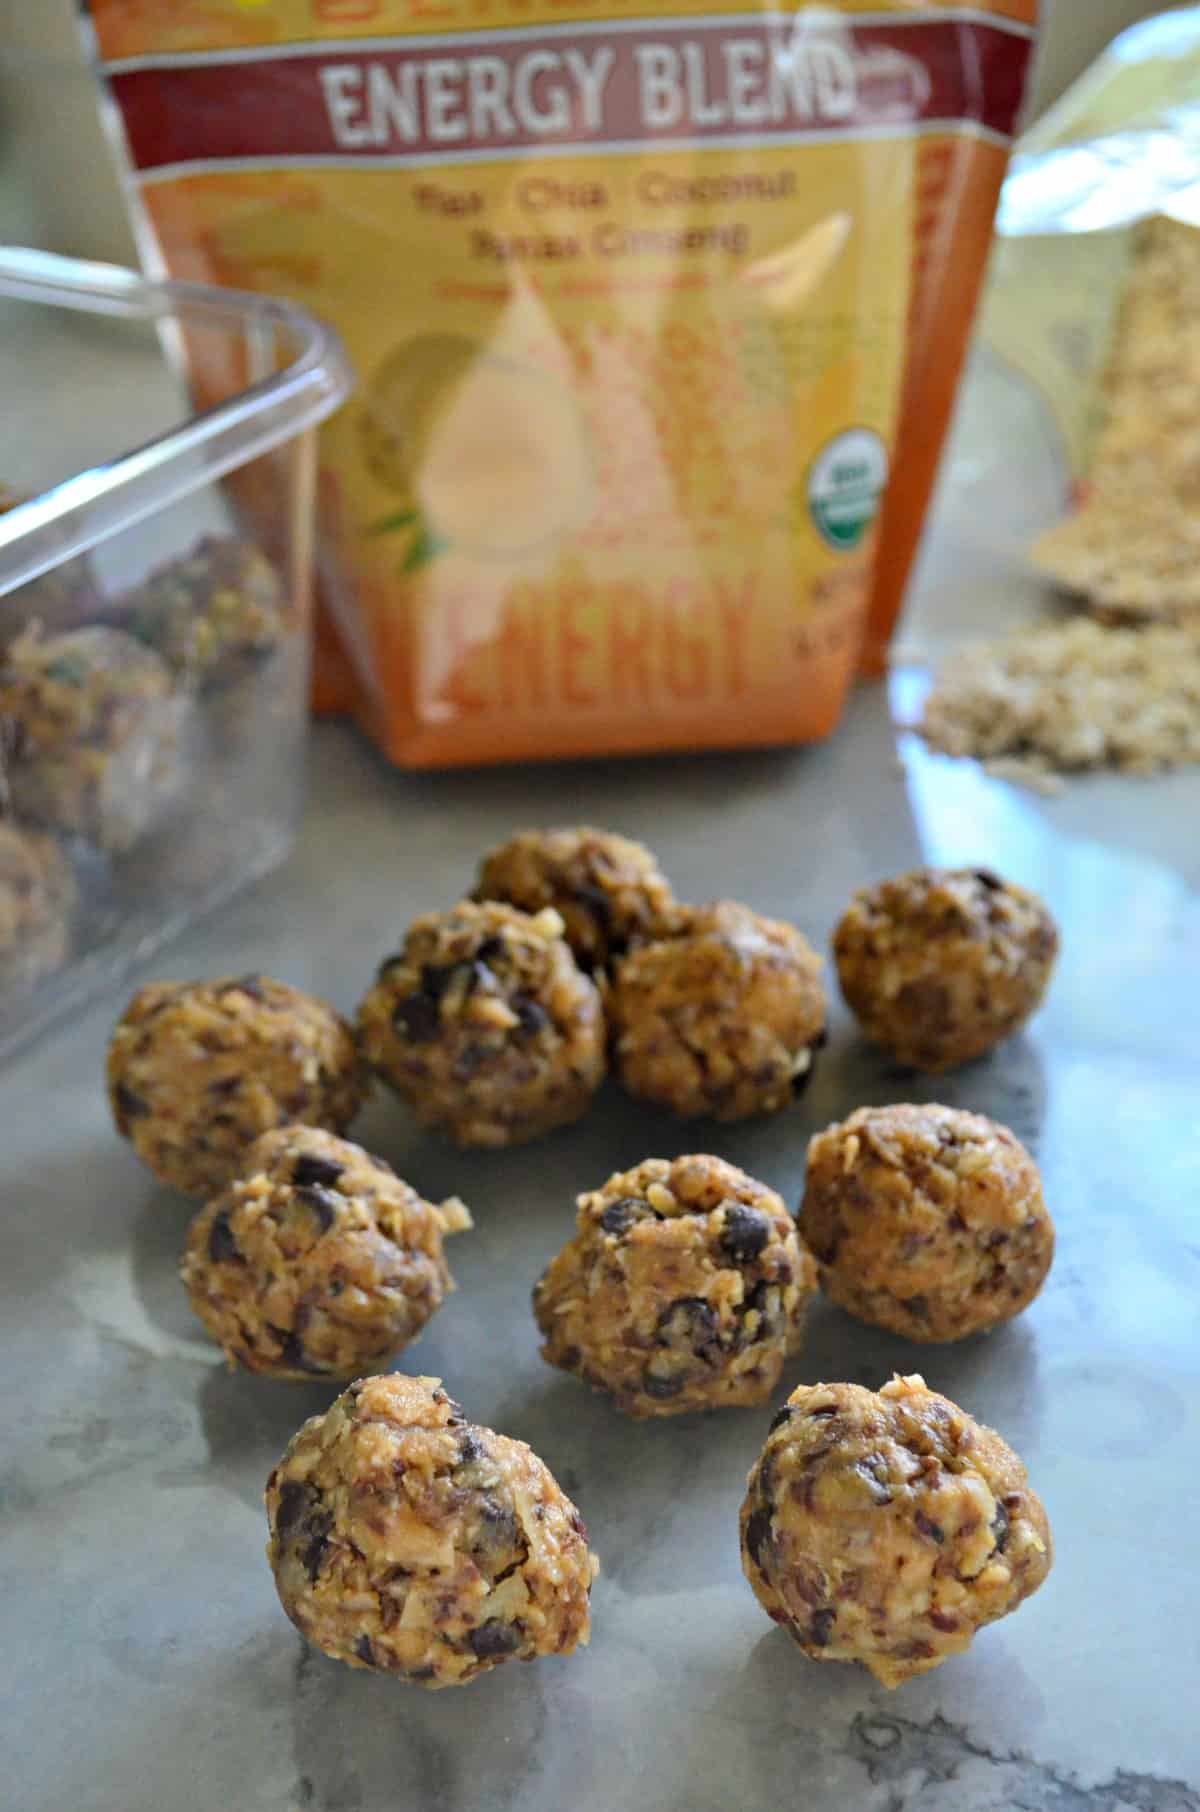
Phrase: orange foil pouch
pixel 658 309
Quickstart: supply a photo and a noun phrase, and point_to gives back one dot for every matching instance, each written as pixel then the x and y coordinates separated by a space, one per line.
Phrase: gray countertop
pixel 146 1665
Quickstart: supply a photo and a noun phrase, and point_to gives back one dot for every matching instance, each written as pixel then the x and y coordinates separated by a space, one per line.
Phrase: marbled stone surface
pixel 146 1666
pixel 146 1662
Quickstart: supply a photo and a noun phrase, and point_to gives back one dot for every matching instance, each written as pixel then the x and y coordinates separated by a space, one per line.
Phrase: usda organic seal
pixel 845 486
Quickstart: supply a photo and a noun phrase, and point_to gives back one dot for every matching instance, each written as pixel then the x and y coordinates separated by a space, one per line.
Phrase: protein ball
pixel 888 1527
pixel 608 891
pixel 197 1071
pixel 724 1019
pixel 407 1539
pixel 38 896
pixel 212 613
pixel 319 1261
pixel 485 1026
pixel 60 599
pixel 96 734
pixel 926 1220
pixel 684 1288
pixel 941 964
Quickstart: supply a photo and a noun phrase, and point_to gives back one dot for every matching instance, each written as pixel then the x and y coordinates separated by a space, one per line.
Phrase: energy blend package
pixel 658 309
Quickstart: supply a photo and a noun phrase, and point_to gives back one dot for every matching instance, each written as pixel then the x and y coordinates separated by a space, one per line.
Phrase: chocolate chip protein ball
pixel 608 891
pixel 941 964
pixel 684 1288
pixel 97 736
pixel 888 1527
pixel 926 1220
pixel 60 599
pixel 197 1071
pixel 38 896
pixel 212 613
pixel 407 1539
pixel 485 1026
pixel 724 1019
pixel 319 1261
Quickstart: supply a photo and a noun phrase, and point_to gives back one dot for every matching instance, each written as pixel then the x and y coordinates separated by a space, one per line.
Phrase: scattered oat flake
pixel 1031 774
pixel 1063 698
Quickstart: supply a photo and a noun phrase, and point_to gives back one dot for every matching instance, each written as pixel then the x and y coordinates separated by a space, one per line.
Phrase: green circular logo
pixel 845 486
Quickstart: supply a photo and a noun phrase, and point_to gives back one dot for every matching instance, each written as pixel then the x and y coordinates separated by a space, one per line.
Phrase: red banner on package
pixel 748 79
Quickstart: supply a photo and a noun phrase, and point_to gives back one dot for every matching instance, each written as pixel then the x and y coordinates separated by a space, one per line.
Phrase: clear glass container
pixel 157 550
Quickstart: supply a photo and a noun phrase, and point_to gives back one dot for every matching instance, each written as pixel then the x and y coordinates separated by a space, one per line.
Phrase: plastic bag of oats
pixel 1075 469
pixel 1095 299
